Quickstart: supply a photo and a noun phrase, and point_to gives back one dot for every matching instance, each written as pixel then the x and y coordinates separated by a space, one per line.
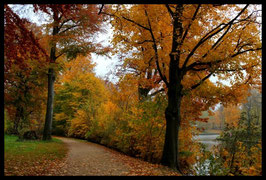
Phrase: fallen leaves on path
pixel 138 167
pixel 86 159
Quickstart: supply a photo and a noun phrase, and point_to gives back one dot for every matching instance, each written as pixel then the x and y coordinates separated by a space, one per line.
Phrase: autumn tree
pixel 79 94
pixel 206 40
pixel 71 28
pixel 23 57
pixel 19 40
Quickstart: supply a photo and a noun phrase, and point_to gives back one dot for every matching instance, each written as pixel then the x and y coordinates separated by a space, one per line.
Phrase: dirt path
pixel 90 159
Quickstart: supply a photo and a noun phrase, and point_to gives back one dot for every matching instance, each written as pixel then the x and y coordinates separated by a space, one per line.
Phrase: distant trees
pixel 240 145
pixel 240 150
pixel 230 114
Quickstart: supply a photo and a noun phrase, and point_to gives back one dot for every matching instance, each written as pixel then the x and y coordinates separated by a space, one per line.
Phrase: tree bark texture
pixel 49 108
pixel 173 117
pixel 172 113
pixel 51 78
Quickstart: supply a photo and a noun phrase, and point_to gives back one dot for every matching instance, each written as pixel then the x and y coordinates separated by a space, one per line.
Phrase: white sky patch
pixel 26 11
pixel 214 79
pixel 105 66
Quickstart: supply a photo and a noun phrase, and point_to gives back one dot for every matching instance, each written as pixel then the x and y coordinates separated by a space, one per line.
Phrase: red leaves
pixel 20 43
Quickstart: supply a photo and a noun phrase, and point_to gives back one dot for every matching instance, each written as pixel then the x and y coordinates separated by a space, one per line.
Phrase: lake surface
pixel 207 139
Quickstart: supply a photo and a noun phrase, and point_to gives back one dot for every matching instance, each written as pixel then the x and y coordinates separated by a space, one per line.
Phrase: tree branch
pixel 136 23
pixel 156 53
pixel 66 20
pixel 101 9
pixel 211 34
pixel 193 65
pixel 201 81
pixel 153 40
pixel 241 52
pixel 169 10
pixel 156 92
pixel 71 27
pixel 193 18
pixel 59 55
pixel 144 41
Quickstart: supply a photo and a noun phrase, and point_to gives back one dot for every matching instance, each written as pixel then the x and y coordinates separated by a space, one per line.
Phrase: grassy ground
pixel 32 157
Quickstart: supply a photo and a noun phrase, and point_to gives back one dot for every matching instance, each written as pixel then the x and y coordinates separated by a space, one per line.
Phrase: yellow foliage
pixel 79 125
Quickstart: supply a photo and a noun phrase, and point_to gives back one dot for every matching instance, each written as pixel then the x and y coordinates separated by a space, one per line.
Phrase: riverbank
pixel 211 132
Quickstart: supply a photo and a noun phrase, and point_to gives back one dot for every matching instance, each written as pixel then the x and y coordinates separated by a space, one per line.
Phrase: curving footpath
pixel 90 159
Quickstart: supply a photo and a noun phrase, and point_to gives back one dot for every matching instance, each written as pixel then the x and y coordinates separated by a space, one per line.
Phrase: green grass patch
pixel 31 157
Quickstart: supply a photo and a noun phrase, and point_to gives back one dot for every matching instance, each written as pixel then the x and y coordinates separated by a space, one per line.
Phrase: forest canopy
pixel 173 60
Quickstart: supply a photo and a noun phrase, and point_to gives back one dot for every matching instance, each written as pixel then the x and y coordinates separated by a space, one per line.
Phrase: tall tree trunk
pixel 249 139
pixel 49 109
pixel 50 98
pixel 51 78
pixel 173 117
pixel 172 113
pixel 17 121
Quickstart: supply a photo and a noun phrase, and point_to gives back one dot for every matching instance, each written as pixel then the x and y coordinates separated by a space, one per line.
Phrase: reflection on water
pixel 207 139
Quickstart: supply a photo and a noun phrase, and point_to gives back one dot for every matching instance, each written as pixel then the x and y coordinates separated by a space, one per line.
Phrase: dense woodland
pixel 164 96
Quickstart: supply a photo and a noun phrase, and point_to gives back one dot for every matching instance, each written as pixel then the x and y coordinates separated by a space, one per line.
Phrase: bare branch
pixel 63 22
pixel 70 27
pixel 59 55
pixel 144 41
pixel 101 9
pixel 221 37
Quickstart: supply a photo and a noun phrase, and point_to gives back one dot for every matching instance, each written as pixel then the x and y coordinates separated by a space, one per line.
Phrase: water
pixel 207 139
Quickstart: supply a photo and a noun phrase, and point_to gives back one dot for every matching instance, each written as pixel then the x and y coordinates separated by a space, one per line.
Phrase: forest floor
pixel 32 157
pixel 90 159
